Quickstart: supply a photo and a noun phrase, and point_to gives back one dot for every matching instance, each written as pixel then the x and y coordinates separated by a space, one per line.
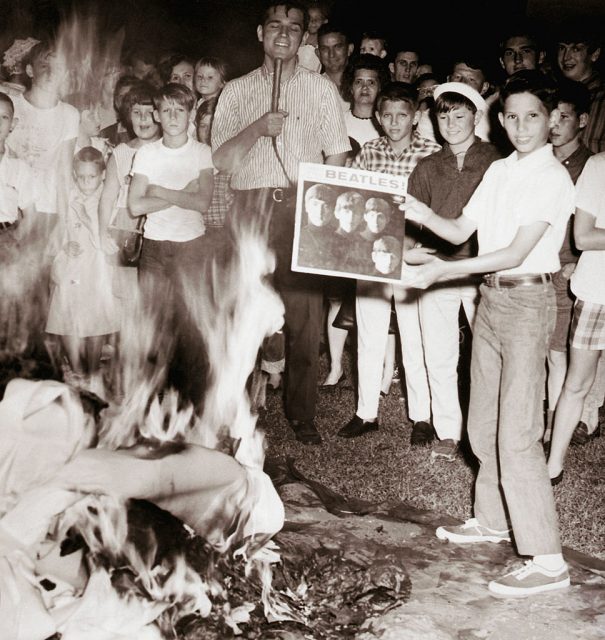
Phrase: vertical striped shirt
pixel 314 127
pixel 593 135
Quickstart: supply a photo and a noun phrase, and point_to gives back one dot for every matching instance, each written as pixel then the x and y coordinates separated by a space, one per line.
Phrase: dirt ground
pixel 449 598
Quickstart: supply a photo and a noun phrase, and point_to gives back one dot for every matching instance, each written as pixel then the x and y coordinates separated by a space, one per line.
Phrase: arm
pixel 507 258
pixel 454 230
pixel 338 159
pixel 111 188
pixel 64 175
pixel 587 236
pixel 196 196
pixel 139 203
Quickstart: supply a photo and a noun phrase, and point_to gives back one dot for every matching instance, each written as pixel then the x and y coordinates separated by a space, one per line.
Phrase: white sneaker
pixel 529 579
pixel 472 531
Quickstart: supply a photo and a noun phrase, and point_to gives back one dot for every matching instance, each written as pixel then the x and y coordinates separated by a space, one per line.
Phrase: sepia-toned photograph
pixel 348 223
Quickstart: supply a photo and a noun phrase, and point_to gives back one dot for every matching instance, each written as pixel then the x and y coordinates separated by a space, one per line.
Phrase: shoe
pixel 422 433
pixel 581 436
pixel 471 531
pixel 305 431
pixel 557 479
pixel 447 449
pixel 384 394
pixel 328 387
pixel 357 427
pixel 529 579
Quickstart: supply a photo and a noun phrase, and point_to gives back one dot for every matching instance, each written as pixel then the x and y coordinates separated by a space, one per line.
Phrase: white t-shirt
pixel 173 169
pixel 37 139
pixel 361 129
pixel 517 192
pixel 588 280
pixel 15 188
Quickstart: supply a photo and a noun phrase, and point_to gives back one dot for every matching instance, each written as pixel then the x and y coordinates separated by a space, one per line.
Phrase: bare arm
pixel 139 203
pixel 587 236
pixel 338 159
pixel 196 196
pixel 230 154
pixel 454 230
pixel 109 195
pixel 507 258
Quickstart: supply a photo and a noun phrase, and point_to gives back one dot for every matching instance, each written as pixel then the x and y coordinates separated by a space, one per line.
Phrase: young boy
pixel 445 181
pixel 373 43
pixel 172 183
pixel 397 153
pixel 520 212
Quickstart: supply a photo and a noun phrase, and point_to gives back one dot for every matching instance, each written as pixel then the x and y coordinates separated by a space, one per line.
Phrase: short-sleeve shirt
pixel 314 127
pixel 516 192
pixel 37 139
pixel 15 187
pixel 588 281
pixel 173 169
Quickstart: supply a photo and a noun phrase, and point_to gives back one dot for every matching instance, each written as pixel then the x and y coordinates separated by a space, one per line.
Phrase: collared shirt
pixel 439 183
pixel 378 155
pixel 594 132
pixel 314 127
pixel 516 192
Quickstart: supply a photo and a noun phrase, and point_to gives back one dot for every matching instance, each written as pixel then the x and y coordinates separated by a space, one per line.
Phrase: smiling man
pixel 262 149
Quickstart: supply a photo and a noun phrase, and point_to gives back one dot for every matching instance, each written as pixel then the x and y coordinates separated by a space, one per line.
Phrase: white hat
pixel 464 89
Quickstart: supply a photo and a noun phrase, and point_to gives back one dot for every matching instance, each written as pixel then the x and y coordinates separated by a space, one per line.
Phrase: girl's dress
pixel 82 303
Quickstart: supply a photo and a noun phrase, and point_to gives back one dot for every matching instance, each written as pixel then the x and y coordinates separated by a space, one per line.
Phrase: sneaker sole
pixel 503 591
pixel 442 534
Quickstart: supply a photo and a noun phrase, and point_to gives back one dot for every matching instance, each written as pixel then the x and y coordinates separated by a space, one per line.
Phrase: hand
pixel 108 245
pixel 423 276
pixel 153 191
pixel 567 270
pixel 415 211
pixel 419 255
pixel 272 123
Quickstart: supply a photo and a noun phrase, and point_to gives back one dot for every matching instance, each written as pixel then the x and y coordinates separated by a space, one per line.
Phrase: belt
pixel 277 194
pixel 522 280
pixel 7 226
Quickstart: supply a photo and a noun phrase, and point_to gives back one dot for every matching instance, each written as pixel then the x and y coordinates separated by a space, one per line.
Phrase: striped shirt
pixel 378 155
pixel 593 135
pixel 314 127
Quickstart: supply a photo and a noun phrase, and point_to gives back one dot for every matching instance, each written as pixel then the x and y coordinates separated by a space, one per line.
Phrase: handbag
pixel 130 243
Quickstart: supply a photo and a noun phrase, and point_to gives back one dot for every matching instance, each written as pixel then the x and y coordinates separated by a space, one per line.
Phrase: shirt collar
pixel 536 159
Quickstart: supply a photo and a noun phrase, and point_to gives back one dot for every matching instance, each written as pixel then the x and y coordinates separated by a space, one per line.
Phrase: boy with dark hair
pixel 520 48
pixel 445 181
pixel 374 43
pixel 404 65
pixel 520 212
pixel 396 153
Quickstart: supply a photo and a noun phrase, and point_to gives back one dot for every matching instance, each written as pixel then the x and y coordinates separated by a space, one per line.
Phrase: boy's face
pixel 526 121
pixel 207 81
pixel 405 67
pixel 334 51
pixel 473 77
pixel 376 220
pixel 519 52
pixel 88 177
pixel 365 87
pixel 203 128
pixel 457 125
pixel 349 215
pixel 143 124
pixel 182 73
pixel 575 61
pixel 173 117
pixel 397 119
pixel 316 19
pixel 282 32
pixel 372 46
pixel 6 121
pixel 319 212
pixel 568 125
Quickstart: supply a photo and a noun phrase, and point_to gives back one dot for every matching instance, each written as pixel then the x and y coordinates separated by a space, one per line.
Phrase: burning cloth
pixel 50 475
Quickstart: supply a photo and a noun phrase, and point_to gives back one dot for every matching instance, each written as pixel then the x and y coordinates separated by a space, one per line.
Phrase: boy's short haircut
pixel 270 7
pixel 523 28
pixel 175 92
pixel 206 108
pixel 350 198
pixel 574 93
pixel 90 154
pixel 328 28
pixel 398 92
pixel 531 81
pixel 405 47
pixel 216 63
pixel 388 244
pixel 374 35
pixel 321 192
pixel 7 100
pixel 579 31
pixel 140 92
pixel 450 100
pixel 378 204
pixel 363 61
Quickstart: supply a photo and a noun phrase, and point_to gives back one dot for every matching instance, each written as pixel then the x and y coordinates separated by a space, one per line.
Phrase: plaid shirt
pixel 222 199
pixel 594 132
pixel 378 155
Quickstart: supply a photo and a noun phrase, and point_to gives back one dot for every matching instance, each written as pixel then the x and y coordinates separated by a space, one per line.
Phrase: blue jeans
pixel 506 418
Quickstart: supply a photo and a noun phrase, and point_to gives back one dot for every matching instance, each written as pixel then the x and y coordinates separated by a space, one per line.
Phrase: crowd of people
pixel 494 226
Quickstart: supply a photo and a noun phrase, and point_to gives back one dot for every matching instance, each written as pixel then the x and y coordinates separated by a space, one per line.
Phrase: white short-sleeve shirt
pixel 588 280
pixel 516 192
pixel 15 187
pixel 173 169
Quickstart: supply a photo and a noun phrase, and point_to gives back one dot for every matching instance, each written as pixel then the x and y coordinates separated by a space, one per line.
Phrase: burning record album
pixel 348 223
